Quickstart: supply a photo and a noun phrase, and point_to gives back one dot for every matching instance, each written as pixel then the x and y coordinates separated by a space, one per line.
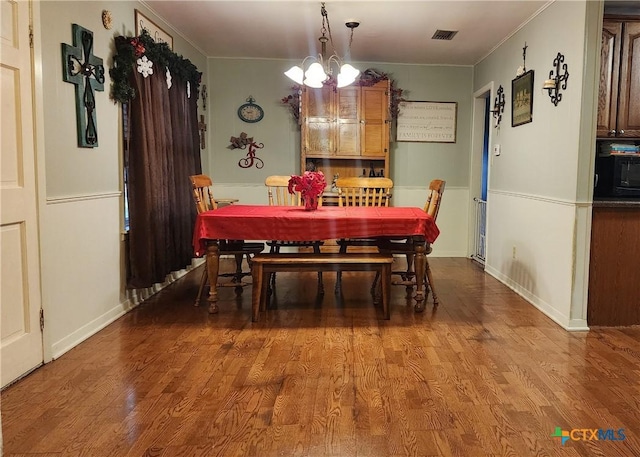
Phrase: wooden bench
pixel 265 264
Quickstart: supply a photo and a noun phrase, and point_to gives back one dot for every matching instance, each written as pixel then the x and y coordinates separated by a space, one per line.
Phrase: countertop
pixel 615 202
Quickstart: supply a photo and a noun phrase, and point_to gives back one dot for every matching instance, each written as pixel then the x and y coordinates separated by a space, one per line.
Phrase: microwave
pixel 618 175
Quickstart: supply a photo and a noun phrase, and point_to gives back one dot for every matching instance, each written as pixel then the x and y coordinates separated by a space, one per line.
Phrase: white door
pixel 20 301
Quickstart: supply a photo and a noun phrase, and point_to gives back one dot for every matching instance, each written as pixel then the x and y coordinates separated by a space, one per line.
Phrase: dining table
pixel 294 223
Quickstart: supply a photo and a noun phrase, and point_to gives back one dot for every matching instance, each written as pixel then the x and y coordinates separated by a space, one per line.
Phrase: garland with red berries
pixel 130 49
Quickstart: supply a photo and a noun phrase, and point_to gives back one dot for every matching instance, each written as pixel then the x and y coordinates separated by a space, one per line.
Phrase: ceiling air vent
pixel 444 34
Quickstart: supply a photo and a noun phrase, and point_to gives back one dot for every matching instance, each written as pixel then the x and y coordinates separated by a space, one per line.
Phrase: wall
pixel 413 165
pixel 80 199
pixel 539 189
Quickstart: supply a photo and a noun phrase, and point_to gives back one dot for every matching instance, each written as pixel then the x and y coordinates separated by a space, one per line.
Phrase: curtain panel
pixel 163 152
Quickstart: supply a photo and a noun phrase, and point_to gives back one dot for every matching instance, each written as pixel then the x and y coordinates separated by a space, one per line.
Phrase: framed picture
pixel 158 35
pixel 522 99
pixel 427 122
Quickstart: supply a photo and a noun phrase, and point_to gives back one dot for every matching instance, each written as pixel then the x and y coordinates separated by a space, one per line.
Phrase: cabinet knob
pixel 621 132
pixel 362 121
pixel 612 132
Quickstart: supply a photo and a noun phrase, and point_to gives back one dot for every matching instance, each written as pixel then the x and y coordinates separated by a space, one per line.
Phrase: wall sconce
pixel 498 106
pixel 557 82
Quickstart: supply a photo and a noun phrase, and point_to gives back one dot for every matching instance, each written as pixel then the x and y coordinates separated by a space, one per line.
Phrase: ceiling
pixel 389 31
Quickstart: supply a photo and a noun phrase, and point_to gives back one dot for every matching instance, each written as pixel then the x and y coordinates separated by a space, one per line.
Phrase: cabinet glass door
pixel 347 121
pixel 318 135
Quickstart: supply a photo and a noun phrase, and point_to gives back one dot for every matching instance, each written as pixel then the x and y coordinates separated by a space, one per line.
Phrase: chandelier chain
pixel 326 27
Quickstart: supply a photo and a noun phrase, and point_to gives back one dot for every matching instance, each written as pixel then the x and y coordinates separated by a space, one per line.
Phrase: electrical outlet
pixel 513 252
pixel 496 149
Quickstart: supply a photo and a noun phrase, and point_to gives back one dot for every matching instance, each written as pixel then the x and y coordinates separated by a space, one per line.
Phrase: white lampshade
pixel 295 73
pixel 349 71
pixel 316 72
pixel 315 83
pixel 347 75
pixel 344 81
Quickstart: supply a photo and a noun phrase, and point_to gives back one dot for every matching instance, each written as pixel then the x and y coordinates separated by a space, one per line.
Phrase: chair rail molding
pixel 82 197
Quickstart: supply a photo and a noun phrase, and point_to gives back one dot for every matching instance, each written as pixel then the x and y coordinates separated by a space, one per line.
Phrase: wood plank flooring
pixel 484 374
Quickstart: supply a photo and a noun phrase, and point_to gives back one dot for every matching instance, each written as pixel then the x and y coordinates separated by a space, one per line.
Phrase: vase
pixel 310 202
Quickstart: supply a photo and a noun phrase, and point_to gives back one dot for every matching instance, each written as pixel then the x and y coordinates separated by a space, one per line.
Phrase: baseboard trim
pixel 572 325
pixel 86 331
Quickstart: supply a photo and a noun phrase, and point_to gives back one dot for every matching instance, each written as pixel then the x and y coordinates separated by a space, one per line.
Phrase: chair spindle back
pixel 278 190
pixel 202 194
pixel 434 198
pixel 354 191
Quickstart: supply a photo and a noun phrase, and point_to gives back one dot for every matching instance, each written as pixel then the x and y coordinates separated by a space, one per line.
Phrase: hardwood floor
pixel 485 374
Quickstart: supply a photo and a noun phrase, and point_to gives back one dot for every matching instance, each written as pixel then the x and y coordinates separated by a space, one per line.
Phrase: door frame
pixel 39 136
pixel 477 145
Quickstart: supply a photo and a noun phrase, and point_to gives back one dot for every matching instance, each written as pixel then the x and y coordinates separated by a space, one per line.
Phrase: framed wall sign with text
pixel 427 122
pixel 522 99
pixel 158 35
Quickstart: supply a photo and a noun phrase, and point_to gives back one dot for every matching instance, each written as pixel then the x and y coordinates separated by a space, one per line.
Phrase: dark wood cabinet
pixel 619 91
pixel 345 131
pixel 614 267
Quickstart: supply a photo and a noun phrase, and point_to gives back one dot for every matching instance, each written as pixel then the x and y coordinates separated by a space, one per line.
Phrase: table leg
pixel 213 266
pixel 419 266
pixel 385 282
pixel 256 293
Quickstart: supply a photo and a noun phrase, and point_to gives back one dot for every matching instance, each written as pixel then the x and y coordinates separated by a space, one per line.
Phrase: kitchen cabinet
pixel 619 91
pixel 614 289
pixel 346 131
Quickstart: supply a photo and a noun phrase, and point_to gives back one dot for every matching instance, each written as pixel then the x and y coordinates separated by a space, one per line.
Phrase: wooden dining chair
pixel 278 192
pixel 407 247
pixel 356 191
pixel 203 198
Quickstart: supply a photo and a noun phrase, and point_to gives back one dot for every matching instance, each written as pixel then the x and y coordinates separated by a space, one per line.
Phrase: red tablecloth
pixel 292 223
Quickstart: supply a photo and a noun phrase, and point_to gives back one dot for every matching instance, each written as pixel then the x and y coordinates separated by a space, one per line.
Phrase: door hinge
pixel 41 319
pixel 31 36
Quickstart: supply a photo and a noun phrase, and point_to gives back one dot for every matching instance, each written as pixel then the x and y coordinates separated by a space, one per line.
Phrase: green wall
pixel 231 81
pixel 72 171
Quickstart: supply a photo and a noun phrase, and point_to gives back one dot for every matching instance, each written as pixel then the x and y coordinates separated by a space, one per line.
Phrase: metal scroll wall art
pixel 244 142
pixel 498 106
pixel 557 81
pixel 82 68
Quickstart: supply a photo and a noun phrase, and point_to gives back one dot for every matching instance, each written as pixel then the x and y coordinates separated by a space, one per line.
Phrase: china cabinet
pixel 345 131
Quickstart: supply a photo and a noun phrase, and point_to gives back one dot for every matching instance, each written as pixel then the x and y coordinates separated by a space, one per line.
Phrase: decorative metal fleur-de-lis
pixel 498 106
pixel 558 79
pixel 86 71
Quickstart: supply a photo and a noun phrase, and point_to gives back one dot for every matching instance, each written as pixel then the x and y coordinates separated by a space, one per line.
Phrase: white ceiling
pixel 389 31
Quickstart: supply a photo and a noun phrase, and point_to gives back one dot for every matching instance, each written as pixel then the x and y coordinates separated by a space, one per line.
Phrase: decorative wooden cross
pixel 204 96
pixel 203 128
pixel 82 68
pixel 524 56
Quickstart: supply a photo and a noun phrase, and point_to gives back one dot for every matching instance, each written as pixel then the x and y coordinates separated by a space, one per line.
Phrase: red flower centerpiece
pixel 310 185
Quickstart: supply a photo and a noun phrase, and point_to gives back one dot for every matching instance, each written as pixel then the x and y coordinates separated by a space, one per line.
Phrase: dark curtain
pixel 163 152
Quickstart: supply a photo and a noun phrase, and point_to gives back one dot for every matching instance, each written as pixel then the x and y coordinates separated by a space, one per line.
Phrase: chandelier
pixel 321 69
